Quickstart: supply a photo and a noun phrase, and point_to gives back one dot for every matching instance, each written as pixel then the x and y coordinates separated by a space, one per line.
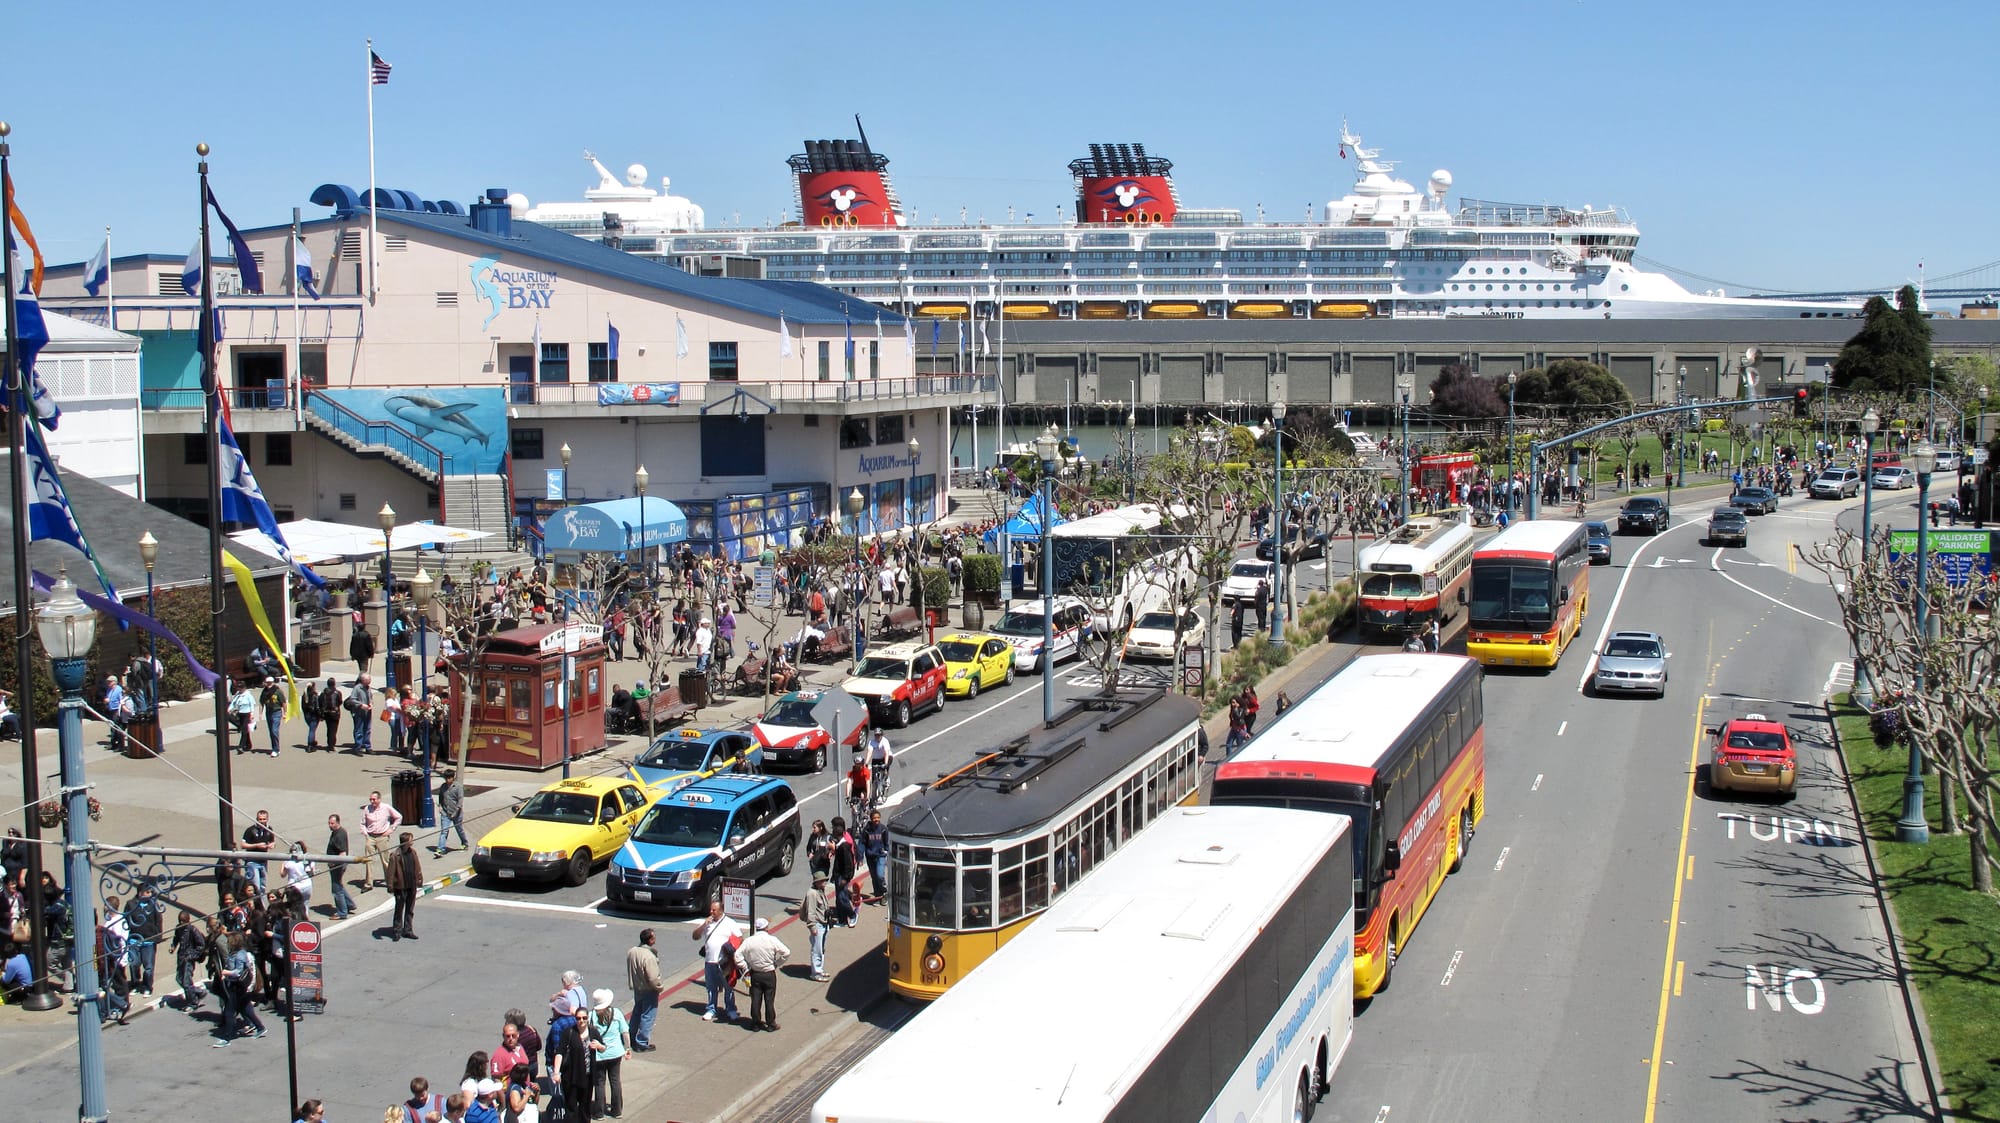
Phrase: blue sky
pixel 1765 143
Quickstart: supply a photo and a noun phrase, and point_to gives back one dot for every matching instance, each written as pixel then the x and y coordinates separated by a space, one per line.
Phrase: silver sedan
pixel 1632 663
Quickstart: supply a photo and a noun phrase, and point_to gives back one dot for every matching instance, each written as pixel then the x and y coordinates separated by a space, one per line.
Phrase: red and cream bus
pixel 1396 743
pixel 1530 593
pixel 1415 575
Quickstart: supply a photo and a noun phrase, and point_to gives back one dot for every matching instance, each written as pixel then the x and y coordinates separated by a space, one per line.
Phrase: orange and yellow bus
pixel 1395 743
pixel 979 854
pixel 1530 593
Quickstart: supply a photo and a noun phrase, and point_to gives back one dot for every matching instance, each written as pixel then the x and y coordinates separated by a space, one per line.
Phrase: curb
pixel 739 1107
pixel 1913 1002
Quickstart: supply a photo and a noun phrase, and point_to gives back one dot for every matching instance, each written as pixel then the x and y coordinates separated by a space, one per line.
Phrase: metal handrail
pixel 381 434
pixel 837 389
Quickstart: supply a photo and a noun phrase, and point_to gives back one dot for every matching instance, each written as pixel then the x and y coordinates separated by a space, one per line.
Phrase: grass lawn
pixel 1951 934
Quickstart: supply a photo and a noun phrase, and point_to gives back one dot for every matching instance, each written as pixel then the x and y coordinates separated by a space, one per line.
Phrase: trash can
pixel 307 657
pixel 406 795
pixel 694 688
pixel 142 737
pixel 400 662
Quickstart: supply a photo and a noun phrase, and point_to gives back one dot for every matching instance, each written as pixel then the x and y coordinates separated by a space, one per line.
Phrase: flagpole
pixel 40 997
pixel 368 72
pixel 298 358
pixel 1000 362
pixel 110 309
pixel 212 395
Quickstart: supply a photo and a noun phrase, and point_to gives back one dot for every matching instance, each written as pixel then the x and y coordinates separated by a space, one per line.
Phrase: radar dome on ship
pixel 635 175
pixel 1440 182
pixel 518 203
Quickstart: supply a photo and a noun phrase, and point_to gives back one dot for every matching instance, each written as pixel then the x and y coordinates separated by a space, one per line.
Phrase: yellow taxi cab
pixel 564 830
pixel 974 661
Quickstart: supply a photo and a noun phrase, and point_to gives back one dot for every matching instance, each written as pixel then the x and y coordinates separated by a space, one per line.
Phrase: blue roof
pixel 615 525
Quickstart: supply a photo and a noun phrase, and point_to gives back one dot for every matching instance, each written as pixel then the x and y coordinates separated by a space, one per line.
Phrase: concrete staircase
pixel 359 447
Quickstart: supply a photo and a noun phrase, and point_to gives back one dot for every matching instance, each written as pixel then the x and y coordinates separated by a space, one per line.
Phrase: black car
pixel 1643 513
pixel 1597 538
pixel 1728 524
pixel 1297 548
pixel 1754 500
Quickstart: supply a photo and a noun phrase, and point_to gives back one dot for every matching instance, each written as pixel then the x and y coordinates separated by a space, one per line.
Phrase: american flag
pixel 378 71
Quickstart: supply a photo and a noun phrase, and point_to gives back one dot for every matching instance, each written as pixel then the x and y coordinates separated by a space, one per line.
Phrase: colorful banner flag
pixel 246 262
pixel 246 586
pixel 132 617
pixel 99 270
pixel 49 515
pixel 638 393
pixel 21 223
pixel 243 502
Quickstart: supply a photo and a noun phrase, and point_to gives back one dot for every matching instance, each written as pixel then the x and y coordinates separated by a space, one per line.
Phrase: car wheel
pixel 972 687
pixel 1009 680
pixel 578 870
pixel 714 893
pixel 818 760
pixel 901 718
pixel 787 854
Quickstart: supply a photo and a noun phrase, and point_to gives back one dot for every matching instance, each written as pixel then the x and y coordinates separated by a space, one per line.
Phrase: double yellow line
pixel 1683 870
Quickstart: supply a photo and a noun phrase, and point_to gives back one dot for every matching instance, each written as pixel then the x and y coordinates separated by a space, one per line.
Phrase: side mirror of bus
pixel 1461 595
pixel 1392 858
pixel 1565 594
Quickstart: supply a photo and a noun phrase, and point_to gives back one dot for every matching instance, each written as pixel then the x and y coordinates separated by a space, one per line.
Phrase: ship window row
pixel 1576 286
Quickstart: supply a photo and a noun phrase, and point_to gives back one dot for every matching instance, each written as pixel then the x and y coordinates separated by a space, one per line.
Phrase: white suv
pixel 1836 483
pixel 1244 577
pixel 1021 627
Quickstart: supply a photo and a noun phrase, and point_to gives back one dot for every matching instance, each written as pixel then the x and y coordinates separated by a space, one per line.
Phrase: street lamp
pixel 915 450
pixel 67 627
pixel 1278 526
pixel 1404 384
pixel 855 607
pixel 1508 495
pixel 149 552
pixel 1045 449
pixel 1864 691
pixel 421 588
pixel 1913 827
pixel 639 479
pixel 386 517
pixel 1131 455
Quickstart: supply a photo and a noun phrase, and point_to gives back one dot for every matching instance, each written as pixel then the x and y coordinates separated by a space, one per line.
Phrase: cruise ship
pixel 1130 250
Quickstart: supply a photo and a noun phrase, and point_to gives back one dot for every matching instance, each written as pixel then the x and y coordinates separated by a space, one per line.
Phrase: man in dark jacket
pixel 405 876
pixel 361 649
pixel 329 711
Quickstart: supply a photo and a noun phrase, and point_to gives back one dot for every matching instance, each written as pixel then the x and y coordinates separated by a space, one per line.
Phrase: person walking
pixel 450 812
pixel 258 837
pixel 238 1015
pixel 759 957
pixel 714 936
pixel 272 701
pixel 405 878
pixel 242 710
pixel 359 703
pixel 378 822
pixel 875 848
pixel 329 712
pixel 610 1039
pixel 642 974
pixel 336 843
pixel 816 910
pixel 361 648
pixel 704 644
pixel 189 946
pixel 144 921
pixel 569 1060
pixel 309 709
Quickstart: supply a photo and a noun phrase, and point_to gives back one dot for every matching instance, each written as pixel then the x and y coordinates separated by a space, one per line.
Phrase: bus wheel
pixel 1302 1102
pixel 1464 837
pixel 1319 1073
pixel 1389 962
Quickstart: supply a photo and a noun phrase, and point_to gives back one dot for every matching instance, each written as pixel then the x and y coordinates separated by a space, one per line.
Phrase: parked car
pixel 1299 545
pixel 1244 577
pixel 1021 627
pixel 974 661
pixel 1632 663
pixel 899 680
pixel 1644 514
pixel 1152 634
pixel 1836 483
pixel 688 842
pixel 1754 500
pixel 1894 479
pixel 1947 459
pixel 1728 524
pixel 1597 538
pixel 564 829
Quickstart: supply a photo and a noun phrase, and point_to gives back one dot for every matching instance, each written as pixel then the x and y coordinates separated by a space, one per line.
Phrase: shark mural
pixel 468 426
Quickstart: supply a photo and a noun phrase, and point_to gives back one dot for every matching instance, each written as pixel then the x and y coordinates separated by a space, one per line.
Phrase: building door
pixel 521 379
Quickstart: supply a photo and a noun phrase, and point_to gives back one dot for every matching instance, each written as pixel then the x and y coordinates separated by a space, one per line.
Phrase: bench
pixel 837 644
pixel 903 621
pixel 663 708
pixel 749 676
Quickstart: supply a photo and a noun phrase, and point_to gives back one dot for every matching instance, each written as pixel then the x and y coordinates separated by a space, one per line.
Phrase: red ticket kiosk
pixel 518 696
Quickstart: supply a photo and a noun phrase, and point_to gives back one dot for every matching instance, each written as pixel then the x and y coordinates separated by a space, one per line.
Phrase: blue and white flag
pixel 680 337
pixel 784 338
pixel 246 262
pixel 49 514
pixel 191 271
pixel 99 270
pixel 937 328
pixel 302 266
pixel 243 502
pixel 961 338
pixel 909 336
pixel 878 331
pixel 850 345
pixel 610 340
pixel 985 347
pixel 34 334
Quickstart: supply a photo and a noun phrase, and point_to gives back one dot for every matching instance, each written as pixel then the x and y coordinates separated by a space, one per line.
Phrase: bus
pixel 1530 593
pixel 982 851
pixel 1122 563
pixel 1395 743
pixel 1413 576
pixel 1213 960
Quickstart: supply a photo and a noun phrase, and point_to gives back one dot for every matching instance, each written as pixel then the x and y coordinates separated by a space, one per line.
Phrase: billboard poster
pixel 468 426
pixel 638 393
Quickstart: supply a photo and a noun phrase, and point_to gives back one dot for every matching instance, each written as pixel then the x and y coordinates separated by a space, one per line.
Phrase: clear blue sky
pixel 1777 144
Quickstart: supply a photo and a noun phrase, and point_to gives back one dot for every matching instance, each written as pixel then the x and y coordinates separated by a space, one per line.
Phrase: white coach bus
pixel 1203 973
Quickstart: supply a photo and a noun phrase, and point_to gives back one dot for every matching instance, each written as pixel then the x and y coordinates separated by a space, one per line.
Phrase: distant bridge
pixel 1981 282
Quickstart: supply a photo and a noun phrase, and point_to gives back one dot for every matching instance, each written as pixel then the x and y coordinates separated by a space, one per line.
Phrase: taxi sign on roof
pixel 690 733
pixel 696 797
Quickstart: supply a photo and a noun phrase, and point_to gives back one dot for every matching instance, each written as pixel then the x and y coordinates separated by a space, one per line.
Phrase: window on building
pixel 278 449
pixel 874 359
pixel 312 365
pixel 347 501
pixel 526 443
pixel 603 368
pixel 825 360
pixel 812 420
pixel 555 362
pixel 732 446
pixel 855 432
pixel 889 429
pixel 194 448
pixel 722 365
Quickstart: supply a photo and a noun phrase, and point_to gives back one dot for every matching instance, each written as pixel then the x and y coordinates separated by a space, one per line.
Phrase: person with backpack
pixel 144 923
pixel 189 948
pixel 309 709
pixel 329 712
pixel 847 874
pixel 238 969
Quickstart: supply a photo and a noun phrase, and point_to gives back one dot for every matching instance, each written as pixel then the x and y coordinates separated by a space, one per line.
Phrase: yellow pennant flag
pixel 247 585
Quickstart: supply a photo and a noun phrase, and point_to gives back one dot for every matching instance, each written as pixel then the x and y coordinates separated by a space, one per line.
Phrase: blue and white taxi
pixel 725 826
pixel 675 760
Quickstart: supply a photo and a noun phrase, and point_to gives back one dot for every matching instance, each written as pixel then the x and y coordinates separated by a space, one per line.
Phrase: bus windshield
pixel 1505 595
pixel 1392 585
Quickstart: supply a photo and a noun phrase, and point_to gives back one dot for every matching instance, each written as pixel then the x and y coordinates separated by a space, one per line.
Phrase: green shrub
pixel 937 585
pixel 982 573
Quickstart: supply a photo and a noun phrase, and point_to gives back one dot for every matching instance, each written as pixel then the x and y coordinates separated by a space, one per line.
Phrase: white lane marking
pixel 1561 729
pixel 355 919
pixel 530 906
pixel 1382 1114
pixel 1774 600
pixel 1017 696
pixel 1453 969
pixel 1502 859
pixel 1715 561
pixel 1590 665
pixel 1838 678
pixel 1537 786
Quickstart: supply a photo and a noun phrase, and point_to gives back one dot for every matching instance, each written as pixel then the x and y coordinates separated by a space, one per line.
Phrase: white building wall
pixel 98 435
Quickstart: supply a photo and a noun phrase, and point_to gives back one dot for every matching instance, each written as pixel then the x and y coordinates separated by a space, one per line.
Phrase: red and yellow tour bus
pixel 1413 576
pixel 1530 593
pixel 1397 744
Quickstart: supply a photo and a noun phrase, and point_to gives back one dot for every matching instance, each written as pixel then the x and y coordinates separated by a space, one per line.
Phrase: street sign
pixel 1961 555
pixel 839 713
pixel 764 583
pixel 307 985
pixel 739 900
pixel 555 484
pixel 1192 658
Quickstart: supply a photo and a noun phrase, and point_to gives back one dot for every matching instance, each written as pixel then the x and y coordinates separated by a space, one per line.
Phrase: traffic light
pixel 1802 404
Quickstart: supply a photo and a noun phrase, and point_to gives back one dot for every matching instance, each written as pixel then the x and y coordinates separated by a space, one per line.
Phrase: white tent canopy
pixel 315 540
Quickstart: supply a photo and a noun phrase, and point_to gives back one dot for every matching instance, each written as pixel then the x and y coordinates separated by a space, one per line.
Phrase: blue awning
pixel 615 525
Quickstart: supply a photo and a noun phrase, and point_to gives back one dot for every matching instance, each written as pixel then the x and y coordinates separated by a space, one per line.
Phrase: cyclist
pixel 880 757
pixel 858 785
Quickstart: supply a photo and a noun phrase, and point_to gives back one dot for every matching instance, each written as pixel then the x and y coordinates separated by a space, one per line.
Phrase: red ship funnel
pixel 844 183
pixel 1120 183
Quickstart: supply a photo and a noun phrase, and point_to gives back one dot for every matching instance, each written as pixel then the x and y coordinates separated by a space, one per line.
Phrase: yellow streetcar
pixel 985 849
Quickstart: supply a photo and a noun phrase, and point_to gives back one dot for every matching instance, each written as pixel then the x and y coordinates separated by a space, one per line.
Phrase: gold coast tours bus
pixel 980 853
pixel 1530 593
pixel 1395 743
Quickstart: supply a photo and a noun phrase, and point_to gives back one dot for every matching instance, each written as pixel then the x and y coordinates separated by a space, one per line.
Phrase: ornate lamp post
pixel 149 552
pixel 639 479
pixel 67 628
pixel 386 517
pixel 1913 827
pixel 1864 690
pixel 1278 525
pixel 565 453
pixel 854 502
pixel 421 588
pixel 1512 379
pixel 1404 384
pixel 1045 450
pixel 1131 456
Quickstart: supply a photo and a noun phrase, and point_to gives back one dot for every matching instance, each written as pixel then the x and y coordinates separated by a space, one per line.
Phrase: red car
pixel 1753 754
pixel 898 680
pixel 792 738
